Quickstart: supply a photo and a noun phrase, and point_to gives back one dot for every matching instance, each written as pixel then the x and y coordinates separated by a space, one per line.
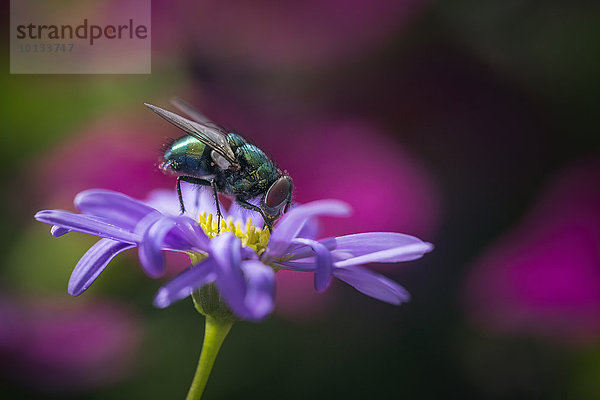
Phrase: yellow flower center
pixel 250 236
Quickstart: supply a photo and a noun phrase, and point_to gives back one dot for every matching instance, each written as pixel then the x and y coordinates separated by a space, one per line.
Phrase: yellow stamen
pixel 250 236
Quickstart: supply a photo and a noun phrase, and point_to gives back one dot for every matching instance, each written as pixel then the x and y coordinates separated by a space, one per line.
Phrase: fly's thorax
pixel 234 140
pixel 256 170
pixel 241 184
pixel 249 183
pixel 258 167
pixel 250 156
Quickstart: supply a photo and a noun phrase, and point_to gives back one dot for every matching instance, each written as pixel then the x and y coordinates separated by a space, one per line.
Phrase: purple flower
pixel 542 278
pixel 242 260
pixel 57 347
pixel 101 152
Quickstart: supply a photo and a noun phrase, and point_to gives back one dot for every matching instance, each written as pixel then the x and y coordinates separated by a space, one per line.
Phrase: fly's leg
pixel 252 207
pixel 188 179
pixel 213 184
pixel 202 182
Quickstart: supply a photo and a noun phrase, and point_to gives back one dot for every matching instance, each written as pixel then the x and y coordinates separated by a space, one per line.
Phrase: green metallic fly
pixel 210 156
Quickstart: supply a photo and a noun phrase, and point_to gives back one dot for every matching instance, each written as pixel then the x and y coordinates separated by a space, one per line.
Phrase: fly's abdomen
pixel 190 157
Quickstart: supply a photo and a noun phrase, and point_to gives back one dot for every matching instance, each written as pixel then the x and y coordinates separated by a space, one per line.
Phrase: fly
pixel 210 156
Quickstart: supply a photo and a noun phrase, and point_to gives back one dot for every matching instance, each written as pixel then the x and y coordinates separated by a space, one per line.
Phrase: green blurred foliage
pixel 46 270
pixel 40 110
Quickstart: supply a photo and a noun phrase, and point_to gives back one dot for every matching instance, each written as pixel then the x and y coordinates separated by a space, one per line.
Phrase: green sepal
pixel 208 302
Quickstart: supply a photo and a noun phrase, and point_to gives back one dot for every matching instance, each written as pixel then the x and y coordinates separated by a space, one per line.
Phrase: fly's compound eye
pixel 278 192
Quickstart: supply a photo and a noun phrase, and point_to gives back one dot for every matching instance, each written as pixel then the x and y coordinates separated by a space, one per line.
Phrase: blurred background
pixel 473 125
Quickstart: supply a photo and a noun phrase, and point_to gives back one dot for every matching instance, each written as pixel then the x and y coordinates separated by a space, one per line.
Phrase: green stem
pixel 214 334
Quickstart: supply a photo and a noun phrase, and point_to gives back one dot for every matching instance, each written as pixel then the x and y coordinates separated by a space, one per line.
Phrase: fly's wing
pixel 210 135
pixel 194 114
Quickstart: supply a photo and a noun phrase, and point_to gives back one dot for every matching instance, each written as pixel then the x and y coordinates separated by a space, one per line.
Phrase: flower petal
pixel 116 207
pixel 291 224
pixel 226 251
pixel 179 233
pixel 86 224
pixel 359 244
pixel 372 284
pixel 93 263
pixel 297 266
pixel 186 282
pixel 195 198
pixel 310 230
pixel 188 236
pixel 403 253
pixel 58 231
pixel 260 294
pixel 150 251
pixel 324 270
pixel 203 196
